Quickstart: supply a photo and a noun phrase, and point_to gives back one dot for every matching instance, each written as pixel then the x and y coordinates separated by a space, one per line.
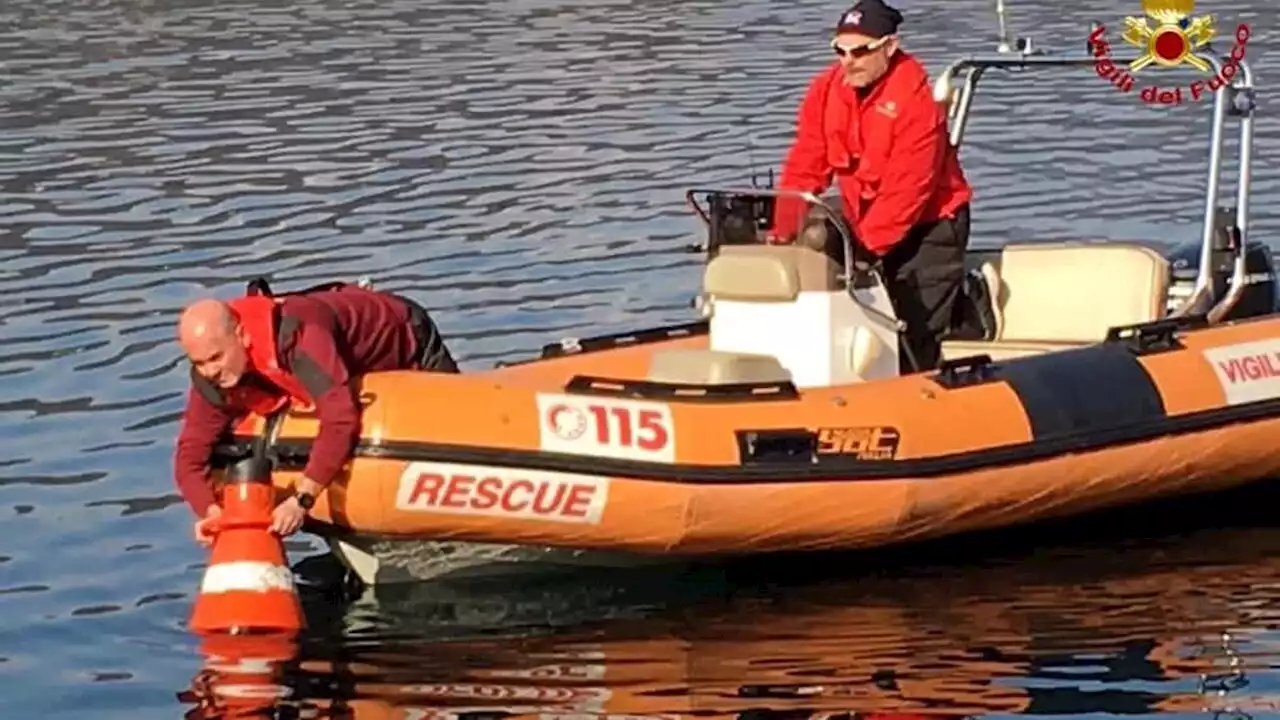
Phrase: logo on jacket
pixel 1168 37
pixel 888 108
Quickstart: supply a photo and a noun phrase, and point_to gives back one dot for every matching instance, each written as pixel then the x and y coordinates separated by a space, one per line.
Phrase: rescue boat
pixel 1083 375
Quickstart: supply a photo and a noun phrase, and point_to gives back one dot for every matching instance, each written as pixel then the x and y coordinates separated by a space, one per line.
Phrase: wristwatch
pixel 305 500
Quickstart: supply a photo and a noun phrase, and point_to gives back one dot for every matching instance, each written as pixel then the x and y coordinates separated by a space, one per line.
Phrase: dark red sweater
pixel 342 334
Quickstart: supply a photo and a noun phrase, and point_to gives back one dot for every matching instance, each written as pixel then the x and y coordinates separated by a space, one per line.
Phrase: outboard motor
pixel 1259 298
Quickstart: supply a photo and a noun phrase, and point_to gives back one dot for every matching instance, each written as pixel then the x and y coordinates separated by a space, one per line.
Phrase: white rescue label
pixel 606 427
pixel 502 492
pixel 1248 372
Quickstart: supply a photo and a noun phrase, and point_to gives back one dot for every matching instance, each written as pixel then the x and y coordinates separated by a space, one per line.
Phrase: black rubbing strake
pixel 1089 389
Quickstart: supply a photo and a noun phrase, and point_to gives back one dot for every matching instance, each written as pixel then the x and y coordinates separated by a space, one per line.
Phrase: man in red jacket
pixel 870 123
pixel 256 353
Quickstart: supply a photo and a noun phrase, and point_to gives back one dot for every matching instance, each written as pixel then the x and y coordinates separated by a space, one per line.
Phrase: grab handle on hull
pixel 1156 336
pixel 963 371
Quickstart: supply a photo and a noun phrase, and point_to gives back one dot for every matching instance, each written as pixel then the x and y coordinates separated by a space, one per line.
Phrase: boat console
pixel 775 308
pixel 796 304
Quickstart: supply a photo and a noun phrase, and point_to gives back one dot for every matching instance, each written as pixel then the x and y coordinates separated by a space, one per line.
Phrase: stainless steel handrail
pixel 1238 92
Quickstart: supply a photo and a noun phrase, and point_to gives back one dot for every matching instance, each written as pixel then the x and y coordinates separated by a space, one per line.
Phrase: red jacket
pixel 888 151
pixel 305 348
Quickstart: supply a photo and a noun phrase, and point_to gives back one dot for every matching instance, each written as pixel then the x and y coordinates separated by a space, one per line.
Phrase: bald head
pixel 203 318
pixel 213 340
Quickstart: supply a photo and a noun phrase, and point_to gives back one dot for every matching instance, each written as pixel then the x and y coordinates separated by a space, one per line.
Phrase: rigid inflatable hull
pixel 511 456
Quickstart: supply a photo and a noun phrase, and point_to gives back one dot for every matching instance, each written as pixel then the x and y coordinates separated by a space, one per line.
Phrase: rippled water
pixel 1064 621
pixel 518 166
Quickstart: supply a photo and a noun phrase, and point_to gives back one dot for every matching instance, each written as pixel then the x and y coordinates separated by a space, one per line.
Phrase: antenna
pixel 751 160
pixel 1003 39
pixel 751 156
pixel 1021 45
pixel 751 151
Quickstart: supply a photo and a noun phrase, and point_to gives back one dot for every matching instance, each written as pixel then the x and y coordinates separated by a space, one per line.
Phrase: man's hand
pixel 287 518
pixel 204 528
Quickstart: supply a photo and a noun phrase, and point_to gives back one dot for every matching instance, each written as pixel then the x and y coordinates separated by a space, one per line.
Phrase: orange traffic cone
pixel 248 584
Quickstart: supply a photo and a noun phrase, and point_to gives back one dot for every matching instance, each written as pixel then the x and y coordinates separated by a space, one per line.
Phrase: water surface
pixel 1154 615
pixel 518 167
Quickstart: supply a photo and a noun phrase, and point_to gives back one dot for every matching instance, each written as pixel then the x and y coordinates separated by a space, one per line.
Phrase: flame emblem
pixel 1173 39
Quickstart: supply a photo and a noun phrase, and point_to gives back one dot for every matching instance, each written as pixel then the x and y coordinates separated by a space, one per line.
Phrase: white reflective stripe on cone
pixel 260 666
pixel 246 691
pixel 248 576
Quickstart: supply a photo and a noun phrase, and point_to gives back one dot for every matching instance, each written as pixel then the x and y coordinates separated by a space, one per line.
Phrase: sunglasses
pixel 858 51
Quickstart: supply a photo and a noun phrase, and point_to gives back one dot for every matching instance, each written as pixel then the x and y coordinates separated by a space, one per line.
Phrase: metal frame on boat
pixel 956 86
pixel 1236 98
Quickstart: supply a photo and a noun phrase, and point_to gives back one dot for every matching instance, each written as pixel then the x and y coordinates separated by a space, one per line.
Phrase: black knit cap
pixel 872 18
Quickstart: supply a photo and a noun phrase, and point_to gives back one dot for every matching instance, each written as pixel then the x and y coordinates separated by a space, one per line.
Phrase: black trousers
pixel 432 355
pixel 924 274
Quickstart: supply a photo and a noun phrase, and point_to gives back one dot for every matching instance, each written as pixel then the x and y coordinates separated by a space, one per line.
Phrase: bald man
pixel 255 354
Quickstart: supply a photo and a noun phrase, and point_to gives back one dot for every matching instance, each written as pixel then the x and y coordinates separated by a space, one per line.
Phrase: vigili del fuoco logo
pixel 1173 39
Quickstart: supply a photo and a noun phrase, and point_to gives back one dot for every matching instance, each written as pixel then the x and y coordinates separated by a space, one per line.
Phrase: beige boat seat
pixel 1053 295
pixel 769 273
pixel 691 366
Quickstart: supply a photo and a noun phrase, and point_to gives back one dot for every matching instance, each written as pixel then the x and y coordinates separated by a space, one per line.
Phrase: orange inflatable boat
pixel 1083 375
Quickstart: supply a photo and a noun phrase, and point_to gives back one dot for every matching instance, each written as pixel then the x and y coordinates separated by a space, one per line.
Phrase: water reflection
pixel 1094 623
